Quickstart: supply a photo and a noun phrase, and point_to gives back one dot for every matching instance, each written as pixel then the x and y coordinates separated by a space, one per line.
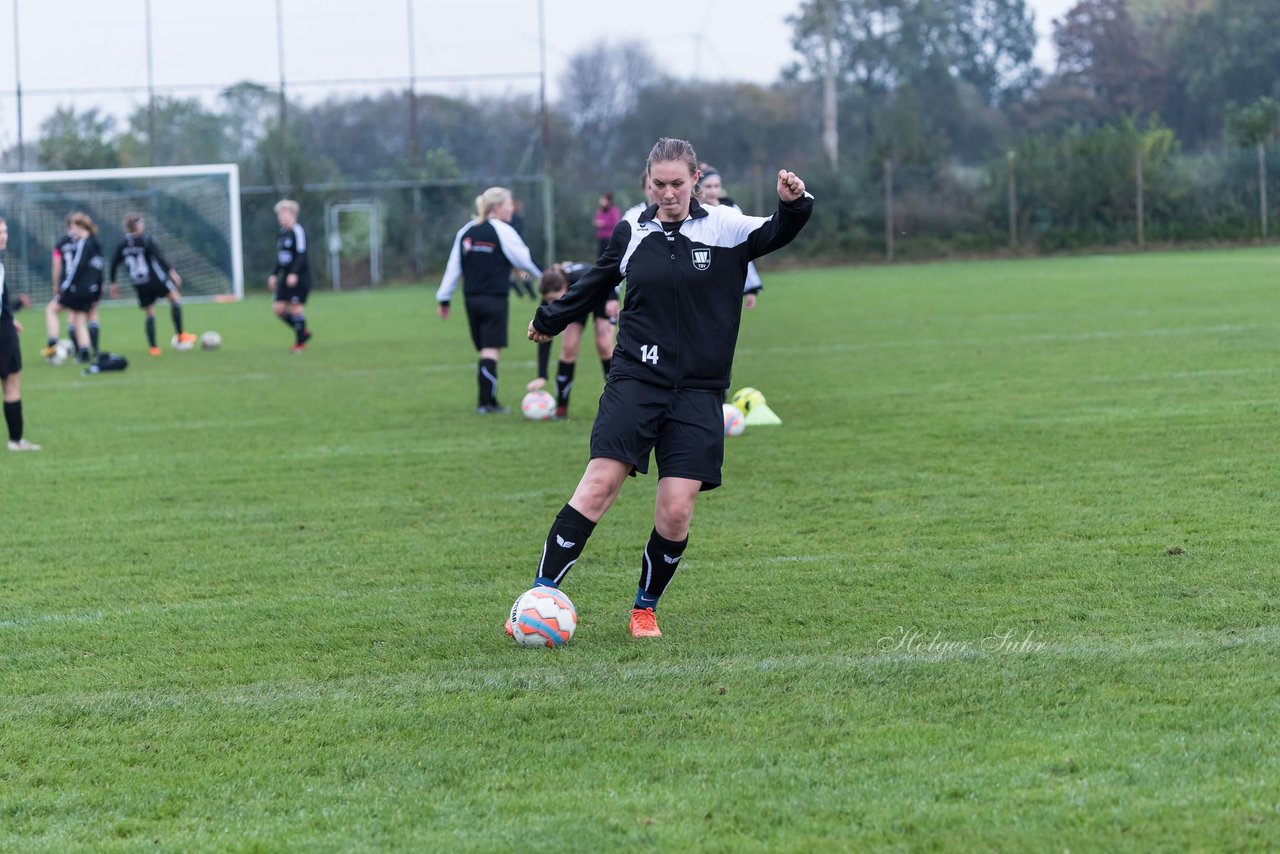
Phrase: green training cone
pixel 761 415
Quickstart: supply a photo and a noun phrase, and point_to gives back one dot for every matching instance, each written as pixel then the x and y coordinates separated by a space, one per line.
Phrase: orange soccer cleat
pixel 644 623
pixel 155 351
pixel 187 338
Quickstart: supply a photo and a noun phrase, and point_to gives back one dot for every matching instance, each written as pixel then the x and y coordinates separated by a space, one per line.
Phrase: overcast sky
pixel 99 45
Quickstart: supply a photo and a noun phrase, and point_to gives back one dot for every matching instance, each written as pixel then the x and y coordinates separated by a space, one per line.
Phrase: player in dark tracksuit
pixel 684 265
pixel 11 359
pixel 556 280
pixel 291 280
pixel 152 278
pixel 484 251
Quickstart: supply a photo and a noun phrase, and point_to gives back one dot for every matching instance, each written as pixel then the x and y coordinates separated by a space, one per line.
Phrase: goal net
pixel 192 213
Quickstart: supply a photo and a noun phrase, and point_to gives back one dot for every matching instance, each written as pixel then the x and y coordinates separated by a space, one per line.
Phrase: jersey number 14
pixel 649 353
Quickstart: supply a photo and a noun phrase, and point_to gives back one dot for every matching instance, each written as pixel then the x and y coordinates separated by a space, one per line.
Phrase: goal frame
pixel 333 212
pixel 230 170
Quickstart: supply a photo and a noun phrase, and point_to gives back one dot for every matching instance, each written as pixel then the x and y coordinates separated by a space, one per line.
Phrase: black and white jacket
pixel 683 305
pixel 6 308
pixel 82 267
pixel 482 257
pixel 142 261
pixel 291 255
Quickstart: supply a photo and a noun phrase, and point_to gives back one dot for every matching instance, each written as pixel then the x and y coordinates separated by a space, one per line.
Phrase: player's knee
pixel 595 495
pixel 673 518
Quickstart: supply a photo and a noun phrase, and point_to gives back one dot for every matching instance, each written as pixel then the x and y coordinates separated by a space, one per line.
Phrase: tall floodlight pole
pixel 830 126
pixel 151 94
pixel 415 155
pixel 284 151
pixel 17 87
pixel 548 208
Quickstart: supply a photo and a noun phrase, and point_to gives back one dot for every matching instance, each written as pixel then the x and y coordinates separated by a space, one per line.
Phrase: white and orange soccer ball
pixel 543 616
pixel 734 421
pixel 538 405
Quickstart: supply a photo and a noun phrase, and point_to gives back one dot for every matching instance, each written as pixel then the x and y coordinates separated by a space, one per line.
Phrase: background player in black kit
pixel 152 278
pixel 80 287
pixel 11 359
pixel 484 251
pixel 291 281
pixel 556 280
pixel 684 265
pixel 713 194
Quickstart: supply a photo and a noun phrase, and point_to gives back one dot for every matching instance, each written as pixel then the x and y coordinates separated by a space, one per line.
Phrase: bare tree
pixel 601 87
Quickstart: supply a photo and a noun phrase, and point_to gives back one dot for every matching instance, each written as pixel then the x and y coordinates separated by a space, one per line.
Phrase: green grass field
pixel 1005 579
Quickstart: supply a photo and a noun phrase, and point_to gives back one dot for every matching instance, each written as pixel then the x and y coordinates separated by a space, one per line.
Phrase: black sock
pixel 13 418
pixel 151 331
pixel 565 542
pixel 287 320
pixel 53 342
pixel 564 383
pixel 82 355
pixel 299 324
pixel 487 380
pixel 657 568
pixel 606 364
pixel 94 334
pixel 175 311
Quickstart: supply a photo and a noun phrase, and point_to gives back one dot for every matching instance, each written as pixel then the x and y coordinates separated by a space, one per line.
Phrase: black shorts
pixel 150 292
pixel 10 352
pixel 684 428
pixel 488 319
pixel 296 295
pixel 77 301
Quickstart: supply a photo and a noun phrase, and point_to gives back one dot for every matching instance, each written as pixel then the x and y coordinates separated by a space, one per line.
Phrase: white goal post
pixel 366 240
pixel 192 212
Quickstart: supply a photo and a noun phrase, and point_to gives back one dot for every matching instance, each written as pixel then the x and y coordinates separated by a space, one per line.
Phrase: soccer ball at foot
pixel 210 341
pixel 178 344
pixel 62 351
pixel 538 405
pixel 543 616
pixel 734 421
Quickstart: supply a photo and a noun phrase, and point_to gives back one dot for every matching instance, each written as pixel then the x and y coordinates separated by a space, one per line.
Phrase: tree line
pixel 938 134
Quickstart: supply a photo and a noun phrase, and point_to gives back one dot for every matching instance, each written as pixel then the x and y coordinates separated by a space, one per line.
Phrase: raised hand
pixel 790 187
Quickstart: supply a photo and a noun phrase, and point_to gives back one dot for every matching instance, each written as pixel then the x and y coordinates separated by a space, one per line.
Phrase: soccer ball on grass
pixel 734 421
pixel 62 351
pixel 210 341
pixel 543 616
pixel 538 405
